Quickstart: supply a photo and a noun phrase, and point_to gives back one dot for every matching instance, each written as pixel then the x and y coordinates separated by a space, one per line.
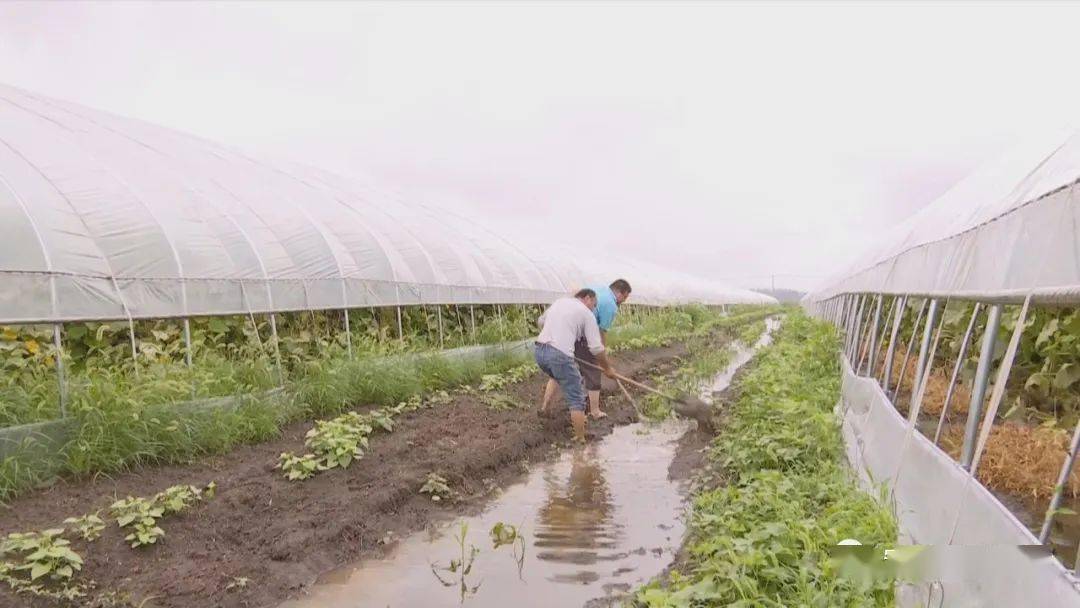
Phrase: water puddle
pixel 598 521
pixel 741 357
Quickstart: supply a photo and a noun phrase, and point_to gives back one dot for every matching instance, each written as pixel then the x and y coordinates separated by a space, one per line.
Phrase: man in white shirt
pixel 563 323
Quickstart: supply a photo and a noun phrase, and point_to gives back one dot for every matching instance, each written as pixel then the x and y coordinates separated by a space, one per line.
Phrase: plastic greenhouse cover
pixel 1007 230
pixel 936 507
pixel 110 218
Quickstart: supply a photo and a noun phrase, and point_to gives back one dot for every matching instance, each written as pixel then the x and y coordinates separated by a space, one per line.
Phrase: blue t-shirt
pixel 605 307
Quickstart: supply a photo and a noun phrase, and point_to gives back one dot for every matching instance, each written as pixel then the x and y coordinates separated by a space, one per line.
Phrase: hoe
pixel 687 406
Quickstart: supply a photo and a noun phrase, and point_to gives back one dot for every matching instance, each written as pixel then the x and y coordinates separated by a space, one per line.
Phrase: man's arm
pixel 595 342
pixel 605 365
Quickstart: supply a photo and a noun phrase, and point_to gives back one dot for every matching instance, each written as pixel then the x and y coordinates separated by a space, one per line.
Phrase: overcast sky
pixel 728 140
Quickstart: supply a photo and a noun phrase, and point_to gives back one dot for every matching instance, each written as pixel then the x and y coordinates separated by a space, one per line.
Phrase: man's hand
pixel 605 365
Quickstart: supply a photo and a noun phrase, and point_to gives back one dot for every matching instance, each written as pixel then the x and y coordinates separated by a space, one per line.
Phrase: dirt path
pixel 281 535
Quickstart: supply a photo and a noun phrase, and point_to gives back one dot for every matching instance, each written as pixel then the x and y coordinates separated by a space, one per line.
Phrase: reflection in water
pixel 459 568
pixel 576 520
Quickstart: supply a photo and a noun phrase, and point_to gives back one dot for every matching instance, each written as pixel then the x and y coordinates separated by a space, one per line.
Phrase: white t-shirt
pixel 565 322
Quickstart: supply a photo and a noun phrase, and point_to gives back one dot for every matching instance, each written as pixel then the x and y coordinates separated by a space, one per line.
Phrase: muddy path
pixel 690 464
pixel 280 535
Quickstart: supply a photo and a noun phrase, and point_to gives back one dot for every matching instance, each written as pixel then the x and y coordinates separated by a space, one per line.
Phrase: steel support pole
pixel 907 352
pixel 982 377
pixel 188 349
pixel 134 348
pixel 438 313
pixel 853 349
pixel 1059 489
pixel 460 323
pixel 472 319
pixel 845 327
pixel 956 371
pixel 924 348
pixel 898 316
pixel 875 346
pixel 864 338
pixel 251 317
pixel 400 331
pixel 60 377
pixel 853 331
pixel 277 349
pixel 872 345
pixel 849 312
pixel 348 331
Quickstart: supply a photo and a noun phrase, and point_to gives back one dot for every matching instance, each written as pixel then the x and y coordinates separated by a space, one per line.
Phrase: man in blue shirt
pixel 608 299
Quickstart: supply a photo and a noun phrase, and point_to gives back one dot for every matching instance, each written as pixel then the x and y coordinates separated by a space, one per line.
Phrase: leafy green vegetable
pixel 760 537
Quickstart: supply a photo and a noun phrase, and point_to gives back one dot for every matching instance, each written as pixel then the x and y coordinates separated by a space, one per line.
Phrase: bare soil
pixel 281 535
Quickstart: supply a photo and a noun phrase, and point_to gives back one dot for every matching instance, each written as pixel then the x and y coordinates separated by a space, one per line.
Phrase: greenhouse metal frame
pixel 1006 235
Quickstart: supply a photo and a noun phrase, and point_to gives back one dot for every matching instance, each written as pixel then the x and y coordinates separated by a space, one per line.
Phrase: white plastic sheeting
pixel 1011 228
pixel 109 218
pixel 933 496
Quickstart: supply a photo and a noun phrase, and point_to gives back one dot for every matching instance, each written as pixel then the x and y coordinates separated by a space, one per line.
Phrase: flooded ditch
pixel 597 521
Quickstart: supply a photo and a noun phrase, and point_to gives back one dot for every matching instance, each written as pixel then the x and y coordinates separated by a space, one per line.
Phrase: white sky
pixel 727 140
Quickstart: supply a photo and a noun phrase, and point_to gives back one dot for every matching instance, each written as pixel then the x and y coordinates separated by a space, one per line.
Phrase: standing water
pixel 600 520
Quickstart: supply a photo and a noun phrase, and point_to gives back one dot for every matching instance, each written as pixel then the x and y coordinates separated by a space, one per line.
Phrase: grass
pixel 121 421
pixel 117 432
pixel 761 537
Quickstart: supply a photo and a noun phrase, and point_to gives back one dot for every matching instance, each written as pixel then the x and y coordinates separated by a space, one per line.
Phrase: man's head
pixel 587 296
pixel 621 289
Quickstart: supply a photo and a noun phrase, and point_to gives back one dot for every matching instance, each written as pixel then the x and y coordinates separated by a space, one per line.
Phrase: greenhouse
pixel 957 347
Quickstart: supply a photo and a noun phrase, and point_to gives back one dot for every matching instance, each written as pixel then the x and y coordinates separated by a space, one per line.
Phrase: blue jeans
pixel 562 368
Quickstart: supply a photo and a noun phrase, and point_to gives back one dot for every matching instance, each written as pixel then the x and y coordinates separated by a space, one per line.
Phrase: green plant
pixel 297 467
pixel 43 553
pixel 460 566
pixel 491 382
pixel 142 515
pixel 750 334
pixel 336 443
pixel 63 592
pixel 762 538
pixel 436 486
pixel 88 527
pixel 382 418
pixel 499 402
pixel 177 498
pixel 505 534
